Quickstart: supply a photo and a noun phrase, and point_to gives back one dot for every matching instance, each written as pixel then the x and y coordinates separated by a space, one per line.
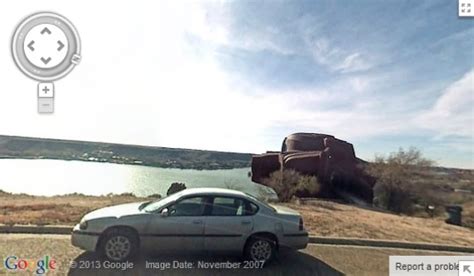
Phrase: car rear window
pixel 228 206
pixel 231 206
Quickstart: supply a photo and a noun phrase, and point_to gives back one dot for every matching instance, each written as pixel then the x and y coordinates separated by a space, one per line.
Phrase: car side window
pixel 193 206
pixel 228 206
pixel 250 208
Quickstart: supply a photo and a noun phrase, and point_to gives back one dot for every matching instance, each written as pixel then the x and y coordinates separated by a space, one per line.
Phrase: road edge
pixel 66 230
pixel 390 244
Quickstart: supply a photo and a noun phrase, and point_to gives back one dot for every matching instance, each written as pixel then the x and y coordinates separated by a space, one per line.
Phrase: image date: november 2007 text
pixel 203 265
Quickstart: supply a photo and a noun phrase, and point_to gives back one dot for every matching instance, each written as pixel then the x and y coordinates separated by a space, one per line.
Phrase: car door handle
pixel 197 221
pixel 246 222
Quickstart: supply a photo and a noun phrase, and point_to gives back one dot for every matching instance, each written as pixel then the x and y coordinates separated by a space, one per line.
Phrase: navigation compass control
pixel 46 47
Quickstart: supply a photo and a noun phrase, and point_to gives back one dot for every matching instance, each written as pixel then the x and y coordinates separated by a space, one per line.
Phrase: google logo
pixel 39 266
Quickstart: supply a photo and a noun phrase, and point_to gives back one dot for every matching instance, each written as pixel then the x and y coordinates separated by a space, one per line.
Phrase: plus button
pixel 45 90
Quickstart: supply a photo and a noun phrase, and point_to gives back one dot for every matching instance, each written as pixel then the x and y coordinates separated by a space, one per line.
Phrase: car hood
pixel 115 211
pixel 284 210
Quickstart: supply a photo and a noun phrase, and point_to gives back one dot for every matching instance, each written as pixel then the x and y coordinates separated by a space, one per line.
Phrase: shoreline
pixel 121 162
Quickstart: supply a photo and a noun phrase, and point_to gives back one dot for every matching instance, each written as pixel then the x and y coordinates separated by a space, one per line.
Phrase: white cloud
pixel 360 84
pixel 215 26
pixel 353 63
pixel 453 112
pixel 335 58
pixel 213 23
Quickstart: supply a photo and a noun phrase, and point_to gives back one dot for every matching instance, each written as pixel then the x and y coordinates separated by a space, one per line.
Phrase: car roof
pixel 215 191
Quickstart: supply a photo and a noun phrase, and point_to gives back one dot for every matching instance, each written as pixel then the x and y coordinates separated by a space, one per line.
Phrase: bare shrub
pixel 395 189
pixel 288 183
pixel 127 195
pixel 308 184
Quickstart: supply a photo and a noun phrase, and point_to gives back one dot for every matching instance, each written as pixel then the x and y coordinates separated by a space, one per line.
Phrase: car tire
pixel 119 244
pixel 260 248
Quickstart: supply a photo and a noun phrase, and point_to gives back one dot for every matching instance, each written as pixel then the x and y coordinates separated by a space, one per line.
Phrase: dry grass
pixel 325 218
pixel 67 209
pixel 322 218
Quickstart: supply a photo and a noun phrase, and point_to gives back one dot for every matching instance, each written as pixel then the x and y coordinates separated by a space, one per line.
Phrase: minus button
pixel 45 105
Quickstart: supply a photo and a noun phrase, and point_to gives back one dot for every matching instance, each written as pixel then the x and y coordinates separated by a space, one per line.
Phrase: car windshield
pixel 157 204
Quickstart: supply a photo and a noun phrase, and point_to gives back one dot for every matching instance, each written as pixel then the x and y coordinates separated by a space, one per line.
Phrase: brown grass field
pixel 321 218
pixel 326 218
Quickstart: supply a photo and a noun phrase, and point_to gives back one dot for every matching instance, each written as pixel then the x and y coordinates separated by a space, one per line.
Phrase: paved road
pixel 314 260
pixel 72 261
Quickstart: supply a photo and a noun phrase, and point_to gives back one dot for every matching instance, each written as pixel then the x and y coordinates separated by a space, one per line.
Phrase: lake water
pixel 57 177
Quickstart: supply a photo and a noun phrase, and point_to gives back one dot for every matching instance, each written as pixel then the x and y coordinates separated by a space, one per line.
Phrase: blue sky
pixel 384 65
pixel 242 75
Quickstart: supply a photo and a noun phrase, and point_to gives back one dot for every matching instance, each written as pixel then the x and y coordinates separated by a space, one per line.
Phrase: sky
pixel 242 75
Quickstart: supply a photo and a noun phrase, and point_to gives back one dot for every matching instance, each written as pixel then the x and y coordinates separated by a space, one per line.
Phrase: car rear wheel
pixel 260 249
pixel 119 244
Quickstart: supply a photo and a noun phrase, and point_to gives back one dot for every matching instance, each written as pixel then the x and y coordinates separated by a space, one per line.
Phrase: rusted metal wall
pixel 332 160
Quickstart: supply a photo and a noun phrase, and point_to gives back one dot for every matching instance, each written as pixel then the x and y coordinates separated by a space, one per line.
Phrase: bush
pixel 175 187
pixel 127 194
pixel 396 198
pixel 308 185
pixel 395 188
pixel 289 183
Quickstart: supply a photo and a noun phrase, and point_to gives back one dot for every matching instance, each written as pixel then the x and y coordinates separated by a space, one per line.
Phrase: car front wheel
pixel 119 245
pixel 260 249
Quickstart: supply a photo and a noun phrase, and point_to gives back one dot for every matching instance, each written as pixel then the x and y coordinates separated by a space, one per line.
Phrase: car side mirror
pixel 164 212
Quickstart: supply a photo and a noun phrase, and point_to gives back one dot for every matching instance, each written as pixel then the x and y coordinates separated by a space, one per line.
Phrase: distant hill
pixel 39 148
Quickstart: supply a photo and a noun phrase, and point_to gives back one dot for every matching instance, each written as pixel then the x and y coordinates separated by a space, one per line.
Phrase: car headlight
pixel 83 225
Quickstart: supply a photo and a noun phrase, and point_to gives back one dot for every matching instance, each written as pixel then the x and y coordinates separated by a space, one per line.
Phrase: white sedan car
pixel 200 219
